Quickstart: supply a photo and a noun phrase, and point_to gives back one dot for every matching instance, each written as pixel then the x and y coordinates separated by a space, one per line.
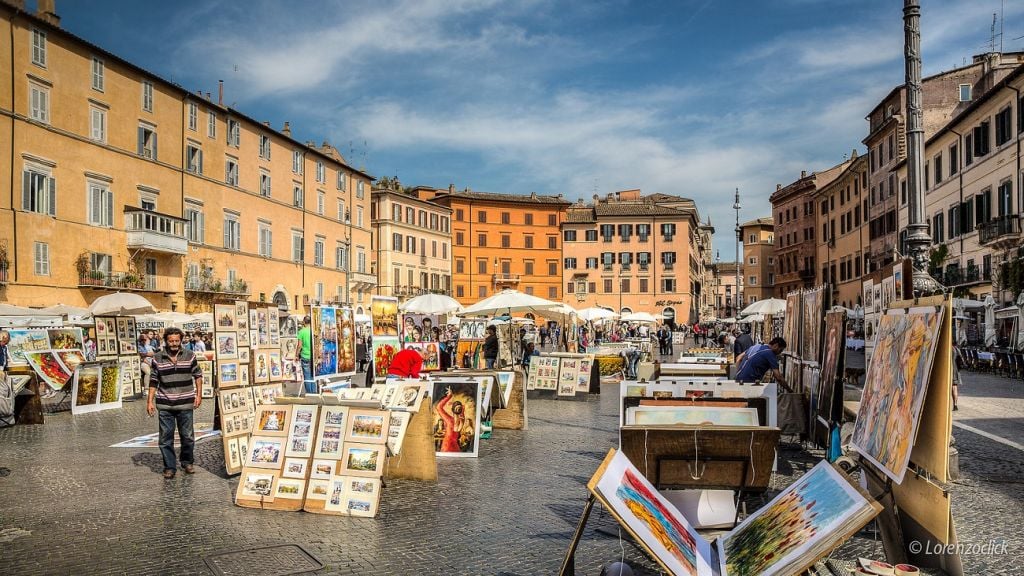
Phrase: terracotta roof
pixel 659 197
pixel 580 215
pixel 634 209
pixel 498 197
pixel 767 221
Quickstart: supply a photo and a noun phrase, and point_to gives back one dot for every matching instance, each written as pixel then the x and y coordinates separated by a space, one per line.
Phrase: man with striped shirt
pixel 174 385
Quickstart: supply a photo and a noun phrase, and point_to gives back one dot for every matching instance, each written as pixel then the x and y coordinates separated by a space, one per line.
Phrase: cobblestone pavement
pixel 71 505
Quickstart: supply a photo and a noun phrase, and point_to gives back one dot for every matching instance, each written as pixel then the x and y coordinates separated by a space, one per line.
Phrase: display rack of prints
pixel 531 373
pixel 547 372
pixel 234 393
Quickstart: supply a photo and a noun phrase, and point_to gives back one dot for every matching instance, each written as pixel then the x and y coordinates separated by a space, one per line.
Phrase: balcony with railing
pixel 361 280
pixel 506 279
pixel 201 284
pixel 955 275
pixel 1001 232
pixel 157 232
pixel 128 282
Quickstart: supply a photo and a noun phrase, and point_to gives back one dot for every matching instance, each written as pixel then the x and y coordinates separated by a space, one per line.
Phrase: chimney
pixel 778 187
pixel 853 155
pixel 451 188
pixel 287 130
pixel 220 92
pixel 533 195
pixel 47 10
pixel 803 173
pixel 208 97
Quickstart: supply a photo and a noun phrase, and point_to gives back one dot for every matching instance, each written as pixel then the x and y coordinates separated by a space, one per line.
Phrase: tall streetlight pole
pixel 736 207
pixel 918 238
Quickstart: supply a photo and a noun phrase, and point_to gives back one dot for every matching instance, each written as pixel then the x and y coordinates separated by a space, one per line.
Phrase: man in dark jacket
pixel 743 341
pixel 491 347
pixel 174 384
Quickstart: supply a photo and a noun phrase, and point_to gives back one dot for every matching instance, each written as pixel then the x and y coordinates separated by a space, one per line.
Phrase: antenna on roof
pixel 992 34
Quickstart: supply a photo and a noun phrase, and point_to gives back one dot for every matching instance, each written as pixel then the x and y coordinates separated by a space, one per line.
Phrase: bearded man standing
pixel 174 385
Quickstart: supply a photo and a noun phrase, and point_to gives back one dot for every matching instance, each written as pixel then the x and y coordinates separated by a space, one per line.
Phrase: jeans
pixel 183 419
pixel 307 376
pixel 490 363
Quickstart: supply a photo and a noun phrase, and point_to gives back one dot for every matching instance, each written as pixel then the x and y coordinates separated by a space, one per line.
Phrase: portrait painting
pixel 384 312
pixel 456 418
pixel 363 460
pixel 369 426
pixel 895 387
pixel 662 529
pixel 290 348
pixel 472 329
pixel 431 353
pixel 813 514
pixel 791 322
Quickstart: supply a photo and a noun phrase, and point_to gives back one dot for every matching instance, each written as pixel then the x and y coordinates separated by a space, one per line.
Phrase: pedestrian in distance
pixel 491 347
pixel 174 384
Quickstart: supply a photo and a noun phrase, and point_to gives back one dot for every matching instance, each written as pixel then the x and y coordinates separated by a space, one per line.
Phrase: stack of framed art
pixel 232 336
pixel 788 535
pixel 115 341
pixel 565 374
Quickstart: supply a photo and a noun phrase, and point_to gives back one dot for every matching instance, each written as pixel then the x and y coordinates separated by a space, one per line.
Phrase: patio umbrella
pixel 362 319
pixel 639 317
pixel 509 301
pixel 596 313
pixel 990 321
pixel 766 306
pixel 751 319
pixel 121 304
pixel 65 310
pixel 431 304
pixel 12 310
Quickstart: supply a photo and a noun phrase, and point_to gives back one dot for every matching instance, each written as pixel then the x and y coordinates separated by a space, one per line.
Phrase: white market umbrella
pixel 174 317
pixel 121 304
pixel 990 321
pixel 365 318
pixel 727 321
pixel 12 310
pixel 639 317
pixel 65 310
pixel 431 304
pixel 509 301
pixel 751 319
pixel 596 313
pixel 767 306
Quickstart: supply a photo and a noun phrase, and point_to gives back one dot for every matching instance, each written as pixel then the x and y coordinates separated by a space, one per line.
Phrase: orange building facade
pixel 503 241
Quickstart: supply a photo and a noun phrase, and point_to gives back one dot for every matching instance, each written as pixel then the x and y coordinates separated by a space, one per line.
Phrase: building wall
pixel 794 236
pixel 631 287
pixel 64 147
pixel 726 303
pixel 435 236
pixel 843 233
pixel 758 260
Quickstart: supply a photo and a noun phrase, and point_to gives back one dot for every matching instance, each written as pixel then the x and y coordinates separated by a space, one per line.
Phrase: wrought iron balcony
pixel 154 231
pixel 208 285
pixel 1002 230
pixel 128 282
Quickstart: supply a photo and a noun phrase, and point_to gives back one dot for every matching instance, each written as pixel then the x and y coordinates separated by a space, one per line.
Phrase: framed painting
pixel 568 376
pixel 70 358
pixel 262 329
pixel 243 339
pixel 256 485
pixel 583 379
pixel 241 315
pixel 408 396
pixel 265 452
pixel 295 468
pixel 384 313
pixel 895 389
pixel 325 341
pixel 234 461
pixel 805 521
pixel 227 373
pixel 244 355
pixel 288 325
pixel 472 329
pixel 810 325
pixel 791 323
pixel 346 341
pixel 832 366
pixel 653 520
pixel 290 489
pixel 110 384
pixel 85 393
pixel 384 349
pixel 331 432
pixel 317 489
pixel 431 353
pixel 322 469
pixel 261 366
pixel 274 361
pixel 456 418
pixel 243 447
pixel 27 340
pixel 224 318
pixel 244 378
pixel 65 338
pixel 290 348
pixel 273 327
pixel 363 460
pixel 369 426
pixel 227 345
pixel 505 382
pixel 398 422
pixel 362 496
pixel 272 420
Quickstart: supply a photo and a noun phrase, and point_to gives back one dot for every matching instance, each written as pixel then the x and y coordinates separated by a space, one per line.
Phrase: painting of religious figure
pixel 456 416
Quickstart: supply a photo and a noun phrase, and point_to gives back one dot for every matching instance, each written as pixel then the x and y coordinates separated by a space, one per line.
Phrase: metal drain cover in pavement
pixel 264 561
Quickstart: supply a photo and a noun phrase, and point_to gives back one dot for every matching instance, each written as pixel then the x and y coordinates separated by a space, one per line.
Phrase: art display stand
pixel 417 460
pixel 918 508
pixel 703 457
pixel 513 416
pixel 563 376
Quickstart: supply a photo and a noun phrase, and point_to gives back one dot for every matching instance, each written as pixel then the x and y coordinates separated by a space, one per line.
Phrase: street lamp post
pixel 918 238
pixel 736 207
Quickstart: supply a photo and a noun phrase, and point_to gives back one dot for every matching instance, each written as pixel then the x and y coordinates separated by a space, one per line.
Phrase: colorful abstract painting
pixel 645 512
pixel 800 524
pixel 895 386
pixel 456 418
pixel 49 368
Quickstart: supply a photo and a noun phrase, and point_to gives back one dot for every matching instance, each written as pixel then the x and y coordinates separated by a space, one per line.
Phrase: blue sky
pixel 686 97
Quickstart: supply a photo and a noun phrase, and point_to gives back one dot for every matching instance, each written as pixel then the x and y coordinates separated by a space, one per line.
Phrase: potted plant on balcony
pixel 82 267
pixel 4 262
pixel 96 277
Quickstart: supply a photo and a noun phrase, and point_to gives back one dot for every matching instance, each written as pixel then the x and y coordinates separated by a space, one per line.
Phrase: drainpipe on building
pixel 13 256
